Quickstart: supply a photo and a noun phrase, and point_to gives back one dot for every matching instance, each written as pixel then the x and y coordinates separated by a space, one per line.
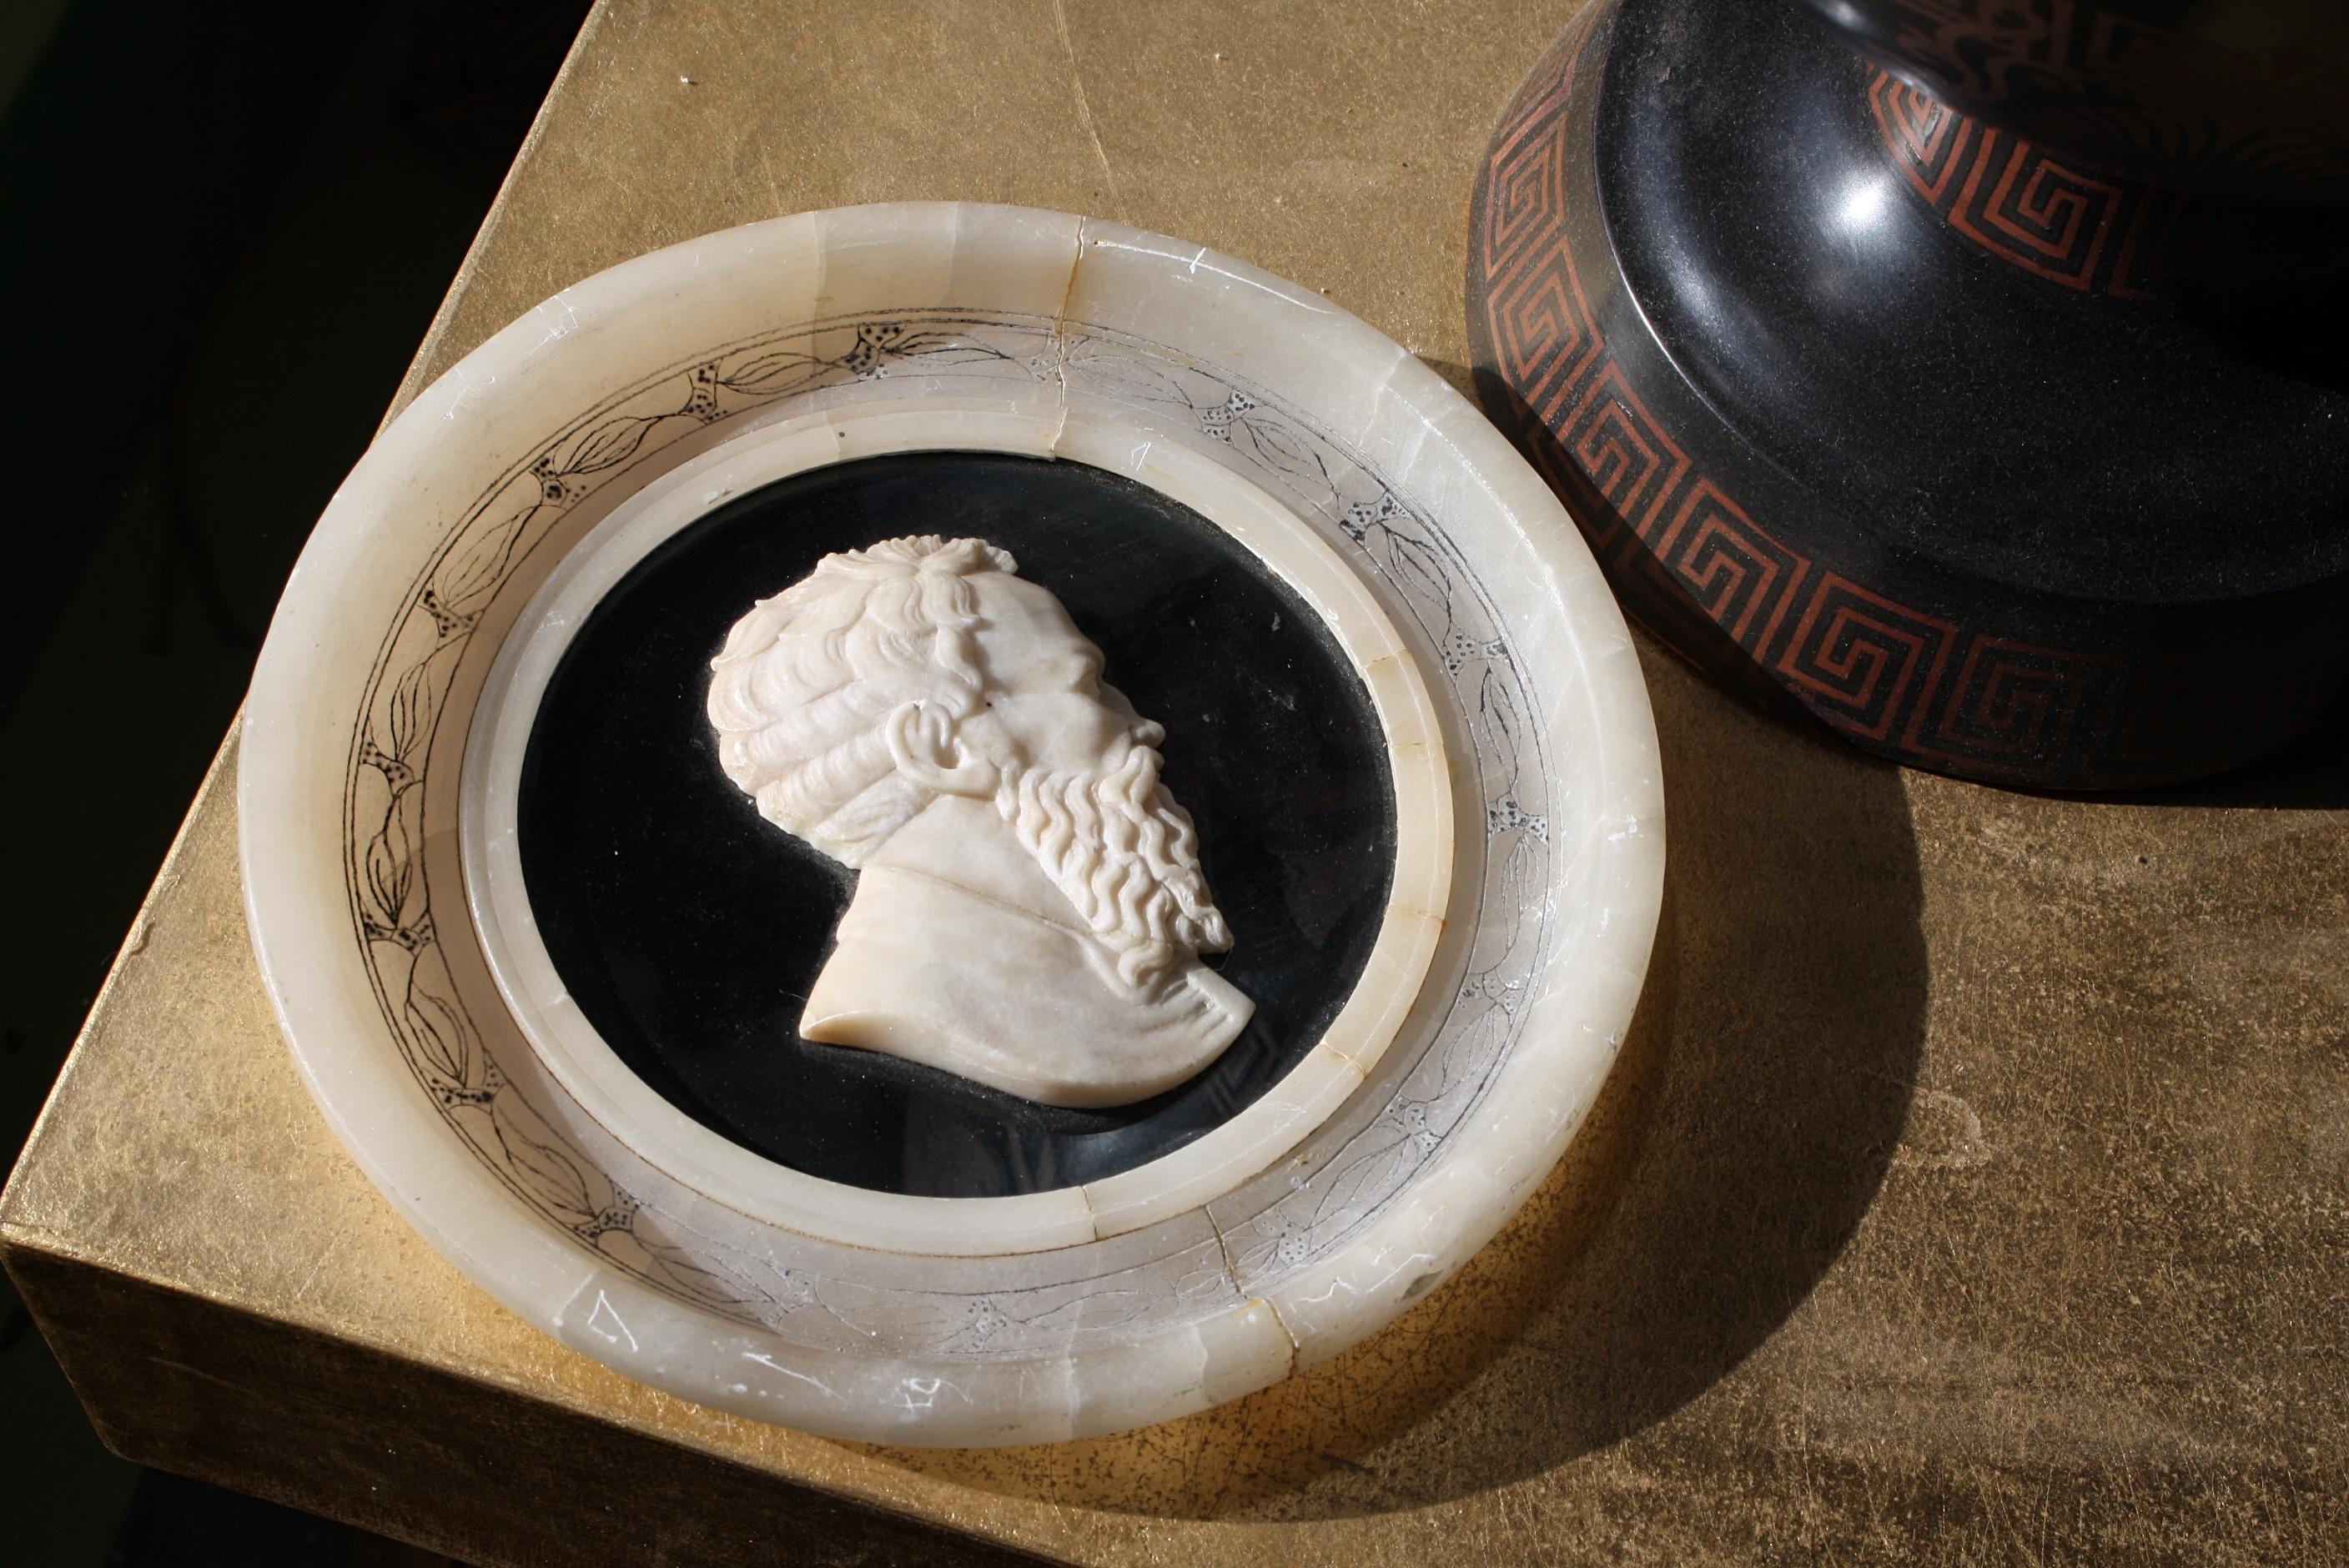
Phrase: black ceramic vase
pixel 1963 376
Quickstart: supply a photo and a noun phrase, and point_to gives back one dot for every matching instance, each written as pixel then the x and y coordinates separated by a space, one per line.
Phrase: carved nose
pixel 1148 734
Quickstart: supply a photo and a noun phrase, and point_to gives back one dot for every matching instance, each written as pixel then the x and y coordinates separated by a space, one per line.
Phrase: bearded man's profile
pixel 1030 907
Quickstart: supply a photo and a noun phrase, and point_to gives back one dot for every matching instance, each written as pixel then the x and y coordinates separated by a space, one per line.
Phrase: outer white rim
pixel 1441 459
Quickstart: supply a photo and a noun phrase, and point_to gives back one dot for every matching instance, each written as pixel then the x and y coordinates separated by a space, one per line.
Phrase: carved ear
pixel 924 746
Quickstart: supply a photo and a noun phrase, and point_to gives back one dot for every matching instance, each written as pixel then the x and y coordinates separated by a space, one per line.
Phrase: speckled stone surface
pixel 1974 1186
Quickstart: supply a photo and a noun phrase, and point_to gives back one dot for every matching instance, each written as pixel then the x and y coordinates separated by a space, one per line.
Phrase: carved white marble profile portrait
pixel 1030 907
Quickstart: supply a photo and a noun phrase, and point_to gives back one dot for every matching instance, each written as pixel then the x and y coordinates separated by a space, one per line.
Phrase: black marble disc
pixel 689 930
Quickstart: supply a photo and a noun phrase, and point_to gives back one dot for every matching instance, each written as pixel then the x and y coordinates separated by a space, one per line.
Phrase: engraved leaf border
pixel 1386 538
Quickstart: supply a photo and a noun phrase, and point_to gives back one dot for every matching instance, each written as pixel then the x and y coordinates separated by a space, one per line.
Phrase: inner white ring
pixel 772 1194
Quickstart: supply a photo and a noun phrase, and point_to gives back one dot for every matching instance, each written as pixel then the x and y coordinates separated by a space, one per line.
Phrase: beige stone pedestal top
pixel 1974 1184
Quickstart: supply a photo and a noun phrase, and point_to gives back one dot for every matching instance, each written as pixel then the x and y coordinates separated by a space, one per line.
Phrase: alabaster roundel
pixel 947 824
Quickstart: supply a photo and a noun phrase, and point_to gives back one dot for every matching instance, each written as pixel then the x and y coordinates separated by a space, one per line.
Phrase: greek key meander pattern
pixel 2052 219
pixel 2133 87
pixel 610 1202
pixel 1702 571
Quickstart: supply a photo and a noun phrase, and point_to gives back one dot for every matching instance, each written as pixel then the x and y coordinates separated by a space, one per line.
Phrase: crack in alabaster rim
pixel 348 821
pixel 772 1193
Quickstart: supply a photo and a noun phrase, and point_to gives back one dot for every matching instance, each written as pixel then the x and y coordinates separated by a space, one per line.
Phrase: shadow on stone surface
pixel 1742 1136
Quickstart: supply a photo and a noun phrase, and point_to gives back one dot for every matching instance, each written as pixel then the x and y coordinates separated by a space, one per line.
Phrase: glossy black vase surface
pixel 2232 98
pixel 1992 461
